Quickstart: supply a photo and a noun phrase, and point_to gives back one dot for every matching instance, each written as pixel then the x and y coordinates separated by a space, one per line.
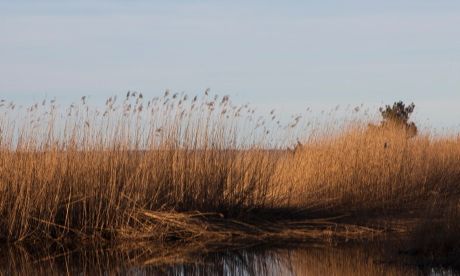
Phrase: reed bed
pixel 201 168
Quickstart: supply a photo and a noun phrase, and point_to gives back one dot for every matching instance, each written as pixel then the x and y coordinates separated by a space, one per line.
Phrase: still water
pixel 303 260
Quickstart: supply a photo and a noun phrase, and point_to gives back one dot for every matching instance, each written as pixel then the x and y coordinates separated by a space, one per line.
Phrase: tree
pixel 398 115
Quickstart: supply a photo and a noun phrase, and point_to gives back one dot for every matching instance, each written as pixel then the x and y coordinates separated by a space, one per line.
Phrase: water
pixel 181 260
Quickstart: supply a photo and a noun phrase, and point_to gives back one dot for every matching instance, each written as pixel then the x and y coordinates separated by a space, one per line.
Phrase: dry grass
pixel 196 169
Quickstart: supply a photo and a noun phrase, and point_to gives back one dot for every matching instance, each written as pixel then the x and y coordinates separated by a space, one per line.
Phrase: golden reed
pixel 180 167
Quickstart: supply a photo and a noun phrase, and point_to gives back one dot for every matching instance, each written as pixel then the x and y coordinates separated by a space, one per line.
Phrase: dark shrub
pixel 398 115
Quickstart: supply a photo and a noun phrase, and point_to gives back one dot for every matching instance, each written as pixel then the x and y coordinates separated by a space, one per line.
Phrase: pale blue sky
pixel 282 54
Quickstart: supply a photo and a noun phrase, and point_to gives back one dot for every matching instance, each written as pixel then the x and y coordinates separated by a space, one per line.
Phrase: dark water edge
pixel 376 258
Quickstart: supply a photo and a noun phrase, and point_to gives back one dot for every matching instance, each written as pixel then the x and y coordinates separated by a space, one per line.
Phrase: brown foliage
pixel 131 172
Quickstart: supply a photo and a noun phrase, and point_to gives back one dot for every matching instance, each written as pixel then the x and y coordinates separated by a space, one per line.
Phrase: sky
pixel 287 55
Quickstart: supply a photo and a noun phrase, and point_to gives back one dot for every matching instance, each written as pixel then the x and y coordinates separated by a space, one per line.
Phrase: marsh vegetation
pixel 203 171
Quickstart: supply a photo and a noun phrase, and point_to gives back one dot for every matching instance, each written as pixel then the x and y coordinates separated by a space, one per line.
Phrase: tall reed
pixel 129 169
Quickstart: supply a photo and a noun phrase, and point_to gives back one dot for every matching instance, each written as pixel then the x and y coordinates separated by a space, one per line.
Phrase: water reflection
pixel 179 260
